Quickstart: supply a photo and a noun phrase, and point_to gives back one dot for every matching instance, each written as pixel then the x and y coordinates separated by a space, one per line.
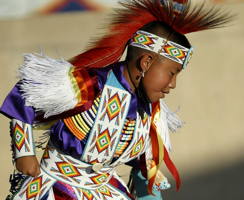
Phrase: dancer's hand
pixel 28 165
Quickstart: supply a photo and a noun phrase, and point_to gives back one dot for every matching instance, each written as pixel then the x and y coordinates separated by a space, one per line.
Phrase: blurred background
pixel 209 150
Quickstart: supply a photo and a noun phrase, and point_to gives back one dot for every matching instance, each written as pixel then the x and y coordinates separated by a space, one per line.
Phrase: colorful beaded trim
pixel 159 45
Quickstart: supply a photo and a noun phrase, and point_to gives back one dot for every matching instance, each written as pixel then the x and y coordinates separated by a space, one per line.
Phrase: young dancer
pixel 104 112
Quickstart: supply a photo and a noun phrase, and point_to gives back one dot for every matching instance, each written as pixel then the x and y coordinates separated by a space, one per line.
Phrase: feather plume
pixel 134 14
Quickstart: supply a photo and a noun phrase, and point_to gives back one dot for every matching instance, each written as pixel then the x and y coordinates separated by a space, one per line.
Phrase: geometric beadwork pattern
pixel 139 142
pixel 88 185
pixel 142 39
pixel 88 194
pixel 38 188
pixel 162 46
pixel 101 145
pixel 174 51
pixel 137 147
pixel 22 138
pixel 103 140
pixel 114 106
pixel 111 115
pixel 105 191
pixel 99 179
pixel 73 171
pixel 19 137
pixel 67 169
pixel 34 187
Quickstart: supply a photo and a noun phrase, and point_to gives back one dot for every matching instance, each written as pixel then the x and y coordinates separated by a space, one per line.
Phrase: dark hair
pixel 163 30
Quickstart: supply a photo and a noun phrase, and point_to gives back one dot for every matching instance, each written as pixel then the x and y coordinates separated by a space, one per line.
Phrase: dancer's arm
pixel 23 147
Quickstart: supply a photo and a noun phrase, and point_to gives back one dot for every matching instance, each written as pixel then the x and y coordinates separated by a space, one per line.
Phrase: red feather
pixel 110 48
pixel 137 13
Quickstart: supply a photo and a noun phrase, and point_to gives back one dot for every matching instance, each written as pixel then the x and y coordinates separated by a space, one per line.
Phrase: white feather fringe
pixel 173 120
pixel 168 121
pixel 46 85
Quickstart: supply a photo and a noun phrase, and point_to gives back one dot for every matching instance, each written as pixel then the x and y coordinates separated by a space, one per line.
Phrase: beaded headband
pixel 159 45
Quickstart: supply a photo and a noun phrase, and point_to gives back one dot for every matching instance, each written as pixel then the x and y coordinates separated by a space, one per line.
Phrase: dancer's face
pixel 160 78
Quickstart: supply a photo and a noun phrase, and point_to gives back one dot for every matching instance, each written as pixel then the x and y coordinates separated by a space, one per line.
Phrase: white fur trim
pixel 46 85
pixel 173 120
pixel 167 121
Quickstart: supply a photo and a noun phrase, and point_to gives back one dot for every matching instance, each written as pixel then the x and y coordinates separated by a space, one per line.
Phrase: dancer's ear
pixel 144 62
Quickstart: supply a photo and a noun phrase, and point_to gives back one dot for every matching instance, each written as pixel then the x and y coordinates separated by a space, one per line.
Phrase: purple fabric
pixel 14 107
pixel 64 140
pixel 61 137
pixel 64 191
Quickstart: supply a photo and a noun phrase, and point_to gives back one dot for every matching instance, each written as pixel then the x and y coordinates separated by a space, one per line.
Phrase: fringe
pixel 46 85
pixel 168 121
pixel 16 180
pixel 173 120
pixel 42 141
pixel 12 142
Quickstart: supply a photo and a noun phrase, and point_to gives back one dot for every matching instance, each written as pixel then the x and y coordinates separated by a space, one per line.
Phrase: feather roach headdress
pixel 182 15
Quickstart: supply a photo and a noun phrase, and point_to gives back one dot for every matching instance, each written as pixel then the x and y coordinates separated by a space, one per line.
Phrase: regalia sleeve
pixel 22 118
pixel 54 86
pixel 14 107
